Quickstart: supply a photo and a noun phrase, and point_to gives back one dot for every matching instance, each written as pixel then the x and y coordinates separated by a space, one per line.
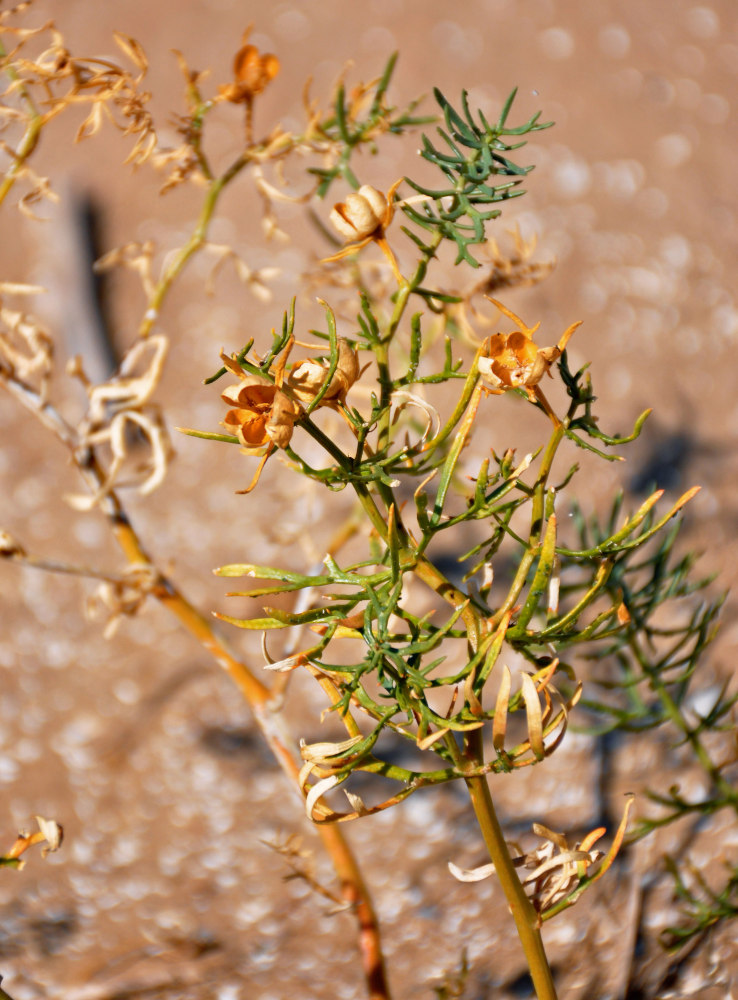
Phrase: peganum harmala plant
pixel 394 395
pixel 438 681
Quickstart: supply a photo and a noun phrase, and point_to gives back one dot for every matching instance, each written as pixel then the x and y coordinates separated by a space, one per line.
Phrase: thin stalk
pixel 193 244
pixel 381 348
pixel 30 137
pixel 536 524
pixel 355 892
pixel 525 917
pixel 258 696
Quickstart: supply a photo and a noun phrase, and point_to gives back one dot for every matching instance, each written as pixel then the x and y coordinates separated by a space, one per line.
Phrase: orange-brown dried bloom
pixel 252 73
pixel 514 360
pixel 262 414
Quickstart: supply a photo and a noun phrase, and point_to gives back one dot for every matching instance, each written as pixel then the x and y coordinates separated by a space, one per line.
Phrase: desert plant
pixel 390 393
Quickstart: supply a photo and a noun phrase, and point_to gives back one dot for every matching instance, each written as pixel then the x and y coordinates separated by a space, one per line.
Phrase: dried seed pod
pixel 363 218
pixel 363 213
pixel 308 377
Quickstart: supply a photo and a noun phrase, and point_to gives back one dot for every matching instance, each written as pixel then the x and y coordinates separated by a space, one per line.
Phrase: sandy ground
pixel 137 744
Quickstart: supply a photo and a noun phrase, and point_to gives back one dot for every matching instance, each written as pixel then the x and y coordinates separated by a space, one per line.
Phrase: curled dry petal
pixel 329 753
pixel 317 792
pixel 402 398
pixel 471 874
pixel 357 803
pixel 52 834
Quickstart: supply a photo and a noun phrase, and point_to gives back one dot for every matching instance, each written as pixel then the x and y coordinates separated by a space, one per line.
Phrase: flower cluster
pixel 264 410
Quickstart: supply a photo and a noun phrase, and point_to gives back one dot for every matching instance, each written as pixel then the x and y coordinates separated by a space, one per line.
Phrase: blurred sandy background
pixel 138 745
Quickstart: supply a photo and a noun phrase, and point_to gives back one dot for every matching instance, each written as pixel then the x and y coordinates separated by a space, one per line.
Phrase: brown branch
pixel 259 697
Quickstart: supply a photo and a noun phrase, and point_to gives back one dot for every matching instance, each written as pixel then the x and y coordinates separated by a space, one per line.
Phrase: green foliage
pixel 349 127
pixel 600 599
pixel 702 907
pixel 413 649
pixel 476 151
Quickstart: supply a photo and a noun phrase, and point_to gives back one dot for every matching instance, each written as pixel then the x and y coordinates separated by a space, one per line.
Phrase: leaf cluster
pixel 474 156
pixel 357 120
pixel 702 907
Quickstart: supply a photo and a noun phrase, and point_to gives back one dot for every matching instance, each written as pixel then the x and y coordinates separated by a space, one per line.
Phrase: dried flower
pixel 308 377
pixel 252 72
pixel 262 413
pixel 49 833
pixel 26 349
pixel 557 869
pixel 363 218
pixel 514 269
pixel 115 599
pixel 362 214
pixel 514 360
pixel 114 405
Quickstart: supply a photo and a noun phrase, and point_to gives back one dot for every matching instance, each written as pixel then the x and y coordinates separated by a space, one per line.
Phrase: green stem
pixel 381 348
pixel 674 713
pixel 536 525
pixel 192 245
pixel 525 917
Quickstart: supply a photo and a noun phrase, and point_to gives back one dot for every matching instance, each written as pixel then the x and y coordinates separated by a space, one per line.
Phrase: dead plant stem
pixel 273 729
pixel 30 136
pixel 258 696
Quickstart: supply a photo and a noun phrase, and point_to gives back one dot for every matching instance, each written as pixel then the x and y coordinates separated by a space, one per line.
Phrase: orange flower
pixel 514 360
pixel 252 73
pixel 262 414
pixel 363 218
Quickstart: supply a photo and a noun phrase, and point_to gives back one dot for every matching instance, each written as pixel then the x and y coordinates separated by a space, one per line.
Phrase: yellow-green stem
pixel 30 136
pixel 536 525
pixel 193 244
pixel 523 912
